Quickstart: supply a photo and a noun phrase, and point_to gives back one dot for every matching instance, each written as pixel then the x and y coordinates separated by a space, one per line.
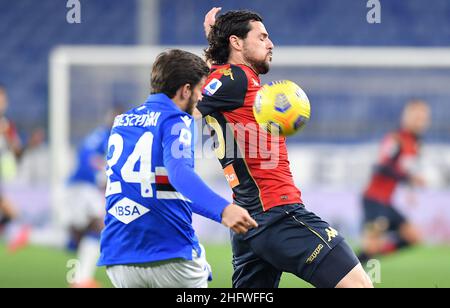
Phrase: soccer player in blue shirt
pixel 82 209
pixel 152 189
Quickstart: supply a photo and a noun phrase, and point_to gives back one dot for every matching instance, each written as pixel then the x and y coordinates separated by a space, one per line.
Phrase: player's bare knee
pixel 416 239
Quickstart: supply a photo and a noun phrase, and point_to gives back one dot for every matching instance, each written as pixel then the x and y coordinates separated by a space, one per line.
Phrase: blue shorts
pixel 290 239
pixel 374 211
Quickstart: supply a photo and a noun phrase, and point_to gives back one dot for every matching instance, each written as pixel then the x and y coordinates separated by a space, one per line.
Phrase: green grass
pixel 37 267
pixel 44 267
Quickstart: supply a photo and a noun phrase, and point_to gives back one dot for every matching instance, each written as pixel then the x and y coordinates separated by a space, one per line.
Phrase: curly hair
pixel 231 23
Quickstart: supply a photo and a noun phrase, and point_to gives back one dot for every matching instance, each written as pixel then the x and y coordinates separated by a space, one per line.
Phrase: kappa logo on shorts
pixel 332 233
pixel 127 210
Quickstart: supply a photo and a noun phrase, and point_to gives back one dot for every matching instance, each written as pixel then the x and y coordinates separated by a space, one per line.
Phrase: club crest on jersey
pixel 127 210
pixel 226 72
pixel 212 87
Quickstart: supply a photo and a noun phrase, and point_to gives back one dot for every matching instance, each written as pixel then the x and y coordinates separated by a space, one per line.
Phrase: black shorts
pixel 386 214
pixel 290 239
pixel 4 219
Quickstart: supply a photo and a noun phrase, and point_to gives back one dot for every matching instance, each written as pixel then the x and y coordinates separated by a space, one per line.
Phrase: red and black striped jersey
pixel 397 158
pixel 255 163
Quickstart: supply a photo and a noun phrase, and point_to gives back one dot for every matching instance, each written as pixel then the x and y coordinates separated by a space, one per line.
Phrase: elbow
pixel 175 174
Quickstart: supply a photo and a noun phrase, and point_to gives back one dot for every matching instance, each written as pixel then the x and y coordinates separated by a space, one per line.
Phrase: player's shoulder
pixel 226 80
pixel 96 137
pixel 148 115
pixel 229 70
pixel 178 118
pixel 164 106
pixel 229 73
pixel 99 131
pixel 247 70
pixel 171 117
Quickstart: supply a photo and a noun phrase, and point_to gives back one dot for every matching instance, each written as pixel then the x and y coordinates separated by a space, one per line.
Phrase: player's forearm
pixel 392 173
pixel 205 202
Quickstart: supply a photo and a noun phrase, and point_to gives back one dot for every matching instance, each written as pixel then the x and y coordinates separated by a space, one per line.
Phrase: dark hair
pixel 175 68
pixel 231 23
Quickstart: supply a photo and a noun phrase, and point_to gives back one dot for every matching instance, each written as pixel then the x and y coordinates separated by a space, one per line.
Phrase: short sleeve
pixel 177 138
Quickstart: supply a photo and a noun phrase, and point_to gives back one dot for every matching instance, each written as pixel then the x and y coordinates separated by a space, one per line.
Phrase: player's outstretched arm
pixel 205 202
pixel 183 178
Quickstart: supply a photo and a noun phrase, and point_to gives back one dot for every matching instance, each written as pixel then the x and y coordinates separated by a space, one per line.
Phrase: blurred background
pixel 353 107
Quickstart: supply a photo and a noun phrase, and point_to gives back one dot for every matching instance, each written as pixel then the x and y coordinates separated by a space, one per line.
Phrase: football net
pixel 356 96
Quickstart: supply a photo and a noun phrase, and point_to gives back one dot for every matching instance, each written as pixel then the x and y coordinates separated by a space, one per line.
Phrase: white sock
pixel 50 237
pixel 88 253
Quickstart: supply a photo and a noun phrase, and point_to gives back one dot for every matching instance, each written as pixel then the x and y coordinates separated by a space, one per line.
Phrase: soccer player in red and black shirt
pixel 9 142
pixel 289 238
pixel 386 229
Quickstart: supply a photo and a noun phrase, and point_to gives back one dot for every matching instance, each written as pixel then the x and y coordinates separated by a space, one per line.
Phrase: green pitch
pixel 42 267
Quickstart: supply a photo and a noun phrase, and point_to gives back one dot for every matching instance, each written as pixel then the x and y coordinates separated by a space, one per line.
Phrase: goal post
pixel 64 59
pixel 61 60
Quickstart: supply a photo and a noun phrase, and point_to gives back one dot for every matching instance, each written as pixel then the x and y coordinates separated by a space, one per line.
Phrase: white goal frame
pixel 62 58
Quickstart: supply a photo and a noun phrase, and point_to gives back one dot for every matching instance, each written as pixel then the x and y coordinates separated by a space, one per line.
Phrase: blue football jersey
pixel 147 219
pixel 90 152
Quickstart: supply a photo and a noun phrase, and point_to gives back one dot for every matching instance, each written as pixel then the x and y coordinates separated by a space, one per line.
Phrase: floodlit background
pixel 353 106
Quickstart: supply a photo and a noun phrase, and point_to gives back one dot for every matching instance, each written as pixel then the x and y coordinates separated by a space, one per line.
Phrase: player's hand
pixel 418 181
pixel 237 219
pixel 210 19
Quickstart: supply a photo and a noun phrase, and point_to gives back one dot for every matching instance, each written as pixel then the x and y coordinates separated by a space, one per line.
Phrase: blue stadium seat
pixel 30 29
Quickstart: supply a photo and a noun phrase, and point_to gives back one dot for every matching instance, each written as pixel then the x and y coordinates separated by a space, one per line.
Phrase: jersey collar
pixel 161 98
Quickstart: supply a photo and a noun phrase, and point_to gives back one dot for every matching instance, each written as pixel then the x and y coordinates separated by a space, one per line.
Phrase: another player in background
pixel 82 211
pixel 386 229
pixel 152 189
pixel 289 238
pixel 11 149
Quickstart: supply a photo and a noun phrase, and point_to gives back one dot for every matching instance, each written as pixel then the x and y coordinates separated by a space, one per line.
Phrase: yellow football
pixel 282 106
